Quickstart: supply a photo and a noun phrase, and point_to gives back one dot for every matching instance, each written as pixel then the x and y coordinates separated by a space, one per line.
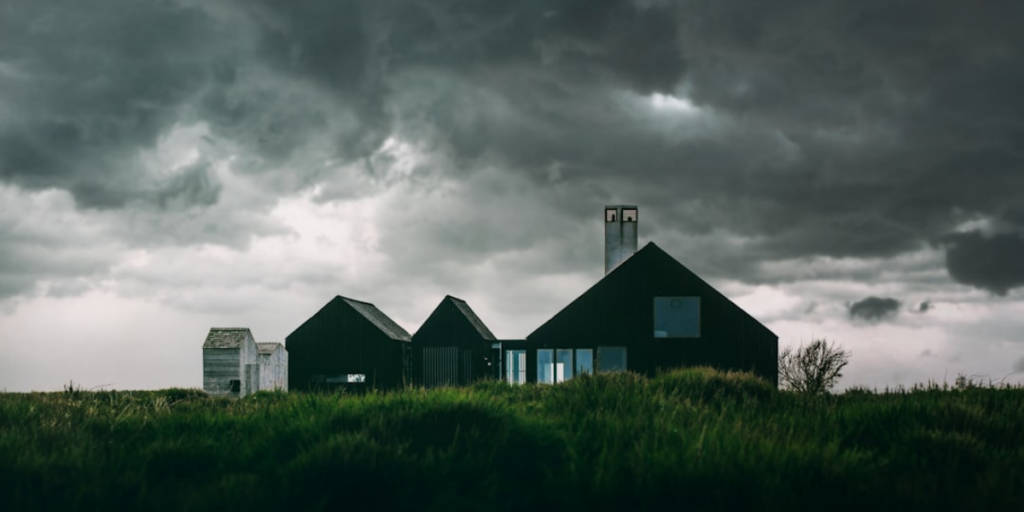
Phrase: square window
pixel 609 215
pixel 629 215
pixel 677 317
pixel 611 359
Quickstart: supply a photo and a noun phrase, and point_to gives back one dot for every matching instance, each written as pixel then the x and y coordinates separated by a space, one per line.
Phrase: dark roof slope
pixel 379 319
pixel 650 258
pixel 474 320
pixel 226 337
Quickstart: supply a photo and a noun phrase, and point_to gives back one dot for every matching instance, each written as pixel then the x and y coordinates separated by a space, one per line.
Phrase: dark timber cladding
pixel 453 347
pixel 619 311
pixel 348 344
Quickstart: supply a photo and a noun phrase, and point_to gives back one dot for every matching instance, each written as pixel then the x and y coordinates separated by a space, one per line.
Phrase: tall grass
pixel 695 439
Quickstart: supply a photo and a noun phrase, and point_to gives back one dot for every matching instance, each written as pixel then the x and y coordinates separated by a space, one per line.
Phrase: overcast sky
pixel 844 170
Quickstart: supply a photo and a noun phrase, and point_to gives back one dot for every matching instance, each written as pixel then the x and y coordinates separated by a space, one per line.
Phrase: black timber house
pixel 351 345
pixel 453 347
pixel 648 313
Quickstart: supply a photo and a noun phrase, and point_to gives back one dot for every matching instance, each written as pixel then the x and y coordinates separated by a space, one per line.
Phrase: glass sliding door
pixel 515 366
pixel 611 359
pixel 563 364
pixel 584 360
pixel 545 366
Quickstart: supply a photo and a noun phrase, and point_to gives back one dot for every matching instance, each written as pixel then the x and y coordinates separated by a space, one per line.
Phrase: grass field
pixel 691 439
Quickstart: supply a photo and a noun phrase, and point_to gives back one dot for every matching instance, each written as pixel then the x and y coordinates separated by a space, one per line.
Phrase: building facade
pixel 453 347
pixel 349 345
pixel 648 313
pixel 273 360
pixel 230 362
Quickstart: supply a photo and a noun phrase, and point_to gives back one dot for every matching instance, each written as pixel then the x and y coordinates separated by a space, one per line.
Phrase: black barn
pixel 348 344
pixel 453 347
pixel 648 313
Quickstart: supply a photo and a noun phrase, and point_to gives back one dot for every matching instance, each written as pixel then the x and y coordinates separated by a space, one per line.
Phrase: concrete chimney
pixel 620 237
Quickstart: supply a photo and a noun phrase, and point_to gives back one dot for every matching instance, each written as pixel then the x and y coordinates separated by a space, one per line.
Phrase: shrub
pixel 814 369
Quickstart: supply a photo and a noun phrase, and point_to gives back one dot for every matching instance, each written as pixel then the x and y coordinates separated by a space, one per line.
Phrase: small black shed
pixel 453 347
pixel 348 344
pixel 649 313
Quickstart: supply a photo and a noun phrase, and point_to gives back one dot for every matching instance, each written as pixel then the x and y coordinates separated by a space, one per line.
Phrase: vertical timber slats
pixel 618 311
pixel 452 347
pixel 338 341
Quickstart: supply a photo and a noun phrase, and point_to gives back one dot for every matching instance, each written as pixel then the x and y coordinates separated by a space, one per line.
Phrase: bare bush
pixel 814 369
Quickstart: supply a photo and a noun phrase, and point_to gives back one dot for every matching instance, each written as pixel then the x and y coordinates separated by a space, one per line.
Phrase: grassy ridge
pixel 692 438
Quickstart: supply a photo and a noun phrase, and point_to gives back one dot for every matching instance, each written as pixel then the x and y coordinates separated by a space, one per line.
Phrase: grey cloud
pixel 86 86
pixel 874 309
pixel 817 128
pixel 192 185
pixel 1019 365
pixel 47 249
pixel 991 263
pixel 925 306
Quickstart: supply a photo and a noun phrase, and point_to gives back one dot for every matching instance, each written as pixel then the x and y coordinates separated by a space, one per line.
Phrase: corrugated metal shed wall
pixel 220 367
pixel 618 311
pixel 337 341
pixel 274 370
pixel 250 360
pixel 448 327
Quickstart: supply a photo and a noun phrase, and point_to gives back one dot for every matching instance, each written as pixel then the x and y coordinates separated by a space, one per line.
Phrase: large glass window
pixel 611 359
pixel 515 366
pixel 545 366
pixel 677 317
pixel 584 360
pixel 563 364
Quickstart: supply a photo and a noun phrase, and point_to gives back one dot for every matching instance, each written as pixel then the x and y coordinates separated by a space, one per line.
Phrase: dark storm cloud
pixel 839 129
pixel 994 263
pixel 925 306
pixel 874 309
pixel 86 86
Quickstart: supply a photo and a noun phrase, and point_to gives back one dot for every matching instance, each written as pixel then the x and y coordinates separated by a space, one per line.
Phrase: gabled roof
pixel 474 320
pixel 268 347
pixel 379 319
pixel 651 264
pixel 226 337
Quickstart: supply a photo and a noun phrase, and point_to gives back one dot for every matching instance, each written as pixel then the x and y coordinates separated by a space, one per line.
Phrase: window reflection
pixel 611 359
pixel 584 361
pixel 563 364
pixel 515 366
pixel 545 366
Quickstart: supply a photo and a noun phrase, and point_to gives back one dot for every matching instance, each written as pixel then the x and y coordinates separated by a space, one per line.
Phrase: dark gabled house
pixel 649 312
pixel 453 347
pixel 348 344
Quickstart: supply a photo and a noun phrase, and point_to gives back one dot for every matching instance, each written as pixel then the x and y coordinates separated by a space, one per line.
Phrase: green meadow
pixel 691 439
